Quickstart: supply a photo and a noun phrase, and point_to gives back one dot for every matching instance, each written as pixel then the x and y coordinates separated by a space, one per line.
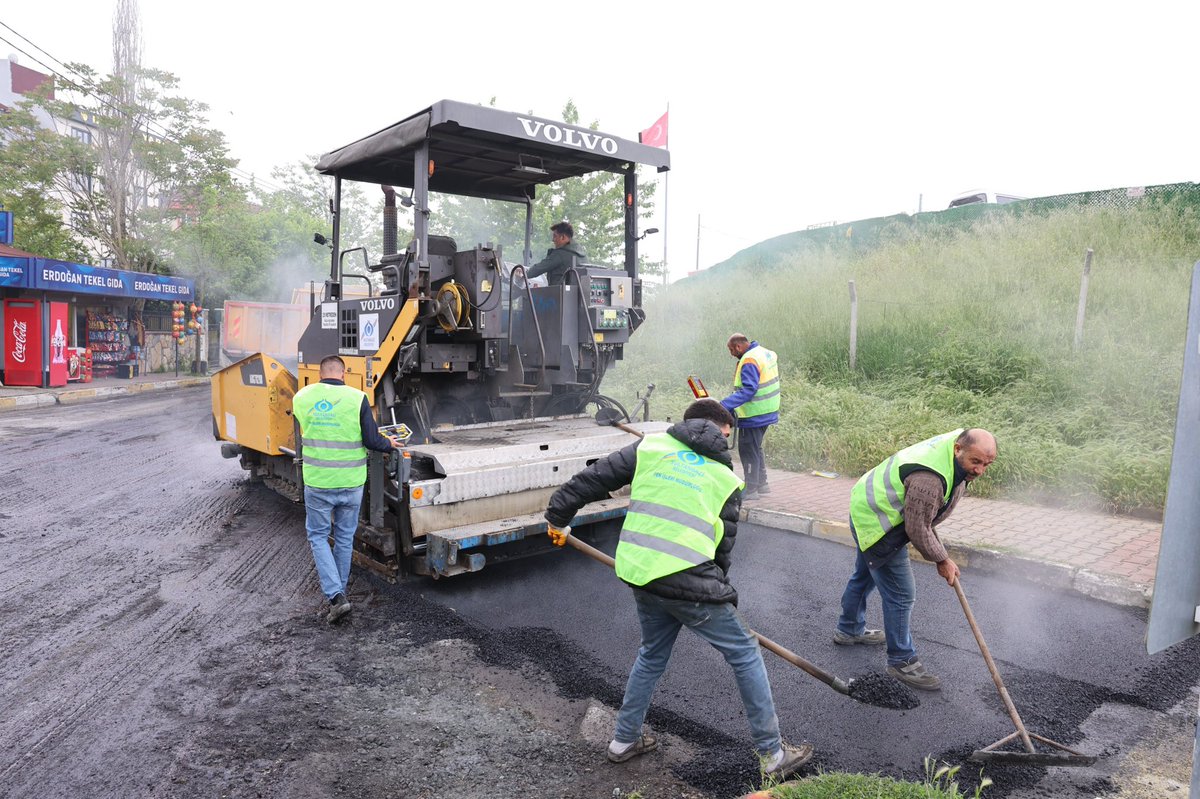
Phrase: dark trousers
pixel 750 450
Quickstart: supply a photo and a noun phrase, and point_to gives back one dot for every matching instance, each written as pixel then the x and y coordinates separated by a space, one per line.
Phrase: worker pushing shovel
pixel 674 552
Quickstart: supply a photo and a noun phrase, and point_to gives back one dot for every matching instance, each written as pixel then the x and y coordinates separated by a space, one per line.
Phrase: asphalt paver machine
pixel 491 380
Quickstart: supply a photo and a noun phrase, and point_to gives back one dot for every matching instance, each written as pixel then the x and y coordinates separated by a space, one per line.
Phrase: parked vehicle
pixel 979 196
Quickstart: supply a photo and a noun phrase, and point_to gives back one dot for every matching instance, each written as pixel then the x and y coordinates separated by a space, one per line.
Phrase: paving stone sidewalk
pixel 1112 558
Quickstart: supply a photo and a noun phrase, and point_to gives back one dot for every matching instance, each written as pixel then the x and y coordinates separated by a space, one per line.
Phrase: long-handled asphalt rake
pixel 1064 756
pixel 836 683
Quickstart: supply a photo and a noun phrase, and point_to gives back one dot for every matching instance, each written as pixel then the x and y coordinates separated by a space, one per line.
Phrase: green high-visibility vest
pixel 334 455
pixel 674 517
pixel 766 399
pixel 877 500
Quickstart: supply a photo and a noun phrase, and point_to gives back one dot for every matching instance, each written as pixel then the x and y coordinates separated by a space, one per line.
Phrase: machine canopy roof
pixel 484 152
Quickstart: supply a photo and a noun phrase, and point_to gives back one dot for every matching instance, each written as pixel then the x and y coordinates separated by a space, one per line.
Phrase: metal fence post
pixel 853 326
pixel 1083 286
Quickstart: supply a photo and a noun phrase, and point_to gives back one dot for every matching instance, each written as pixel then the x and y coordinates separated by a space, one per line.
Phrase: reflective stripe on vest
pixel 333 455
pixel 766 399
pixel 674 517
pixel 877 499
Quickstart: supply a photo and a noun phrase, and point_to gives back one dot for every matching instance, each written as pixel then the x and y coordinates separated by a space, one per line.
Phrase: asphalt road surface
pixel 1076 668
pixel 160 635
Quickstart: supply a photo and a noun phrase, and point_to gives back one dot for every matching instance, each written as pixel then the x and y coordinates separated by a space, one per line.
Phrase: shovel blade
pixel 606 416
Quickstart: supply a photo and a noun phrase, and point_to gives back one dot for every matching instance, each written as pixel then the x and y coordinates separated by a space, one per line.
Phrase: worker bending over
pixel 899 502
pixel 674 552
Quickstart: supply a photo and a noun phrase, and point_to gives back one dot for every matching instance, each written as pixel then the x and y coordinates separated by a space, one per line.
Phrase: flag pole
pixel 666 206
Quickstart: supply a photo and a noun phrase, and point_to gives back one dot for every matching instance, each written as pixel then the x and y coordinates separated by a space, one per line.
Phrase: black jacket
pixel 556 263
pixel 707 582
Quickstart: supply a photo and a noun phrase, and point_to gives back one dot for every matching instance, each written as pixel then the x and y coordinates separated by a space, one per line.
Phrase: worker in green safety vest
pixel 674 552
pixel 900 502
pixel 755 402
pixel 336 428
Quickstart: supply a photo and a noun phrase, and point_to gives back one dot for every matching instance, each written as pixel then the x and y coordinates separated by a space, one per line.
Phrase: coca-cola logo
pixel 18 341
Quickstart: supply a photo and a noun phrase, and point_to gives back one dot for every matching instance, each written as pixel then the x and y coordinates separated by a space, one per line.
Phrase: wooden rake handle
pixel 991 664
pixel 836 683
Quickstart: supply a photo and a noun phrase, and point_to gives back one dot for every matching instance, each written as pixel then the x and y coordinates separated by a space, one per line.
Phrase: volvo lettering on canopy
pixel 572 136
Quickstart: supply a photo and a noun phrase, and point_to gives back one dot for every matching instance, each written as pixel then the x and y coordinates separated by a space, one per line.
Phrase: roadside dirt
pixel 161 634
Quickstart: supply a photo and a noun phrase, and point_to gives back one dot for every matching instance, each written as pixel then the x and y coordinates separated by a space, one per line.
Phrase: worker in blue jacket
pixel 755 403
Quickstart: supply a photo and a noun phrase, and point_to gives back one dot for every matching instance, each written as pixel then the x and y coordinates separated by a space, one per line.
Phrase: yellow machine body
pixel 252 405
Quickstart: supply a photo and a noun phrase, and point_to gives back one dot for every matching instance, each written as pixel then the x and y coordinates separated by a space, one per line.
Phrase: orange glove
pixel 558 537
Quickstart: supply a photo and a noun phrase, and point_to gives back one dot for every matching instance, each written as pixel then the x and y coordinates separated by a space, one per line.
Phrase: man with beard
pixel 900 502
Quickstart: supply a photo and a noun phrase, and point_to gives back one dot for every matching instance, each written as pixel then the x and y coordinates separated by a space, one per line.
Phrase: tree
pixel 306 190
pixel 27 180
pixel 143 156
pixel 239 247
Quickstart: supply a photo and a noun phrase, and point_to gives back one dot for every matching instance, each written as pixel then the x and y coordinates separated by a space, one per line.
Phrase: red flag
pixel 656 134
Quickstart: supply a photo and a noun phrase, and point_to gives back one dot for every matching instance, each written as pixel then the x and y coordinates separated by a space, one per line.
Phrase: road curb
pixel 75 396
pixel 24 401
pixel 1108 588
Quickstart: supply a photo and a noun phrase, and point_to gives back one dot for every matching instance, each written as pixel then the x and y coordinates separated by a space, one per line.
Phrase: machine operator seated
pixel 561 257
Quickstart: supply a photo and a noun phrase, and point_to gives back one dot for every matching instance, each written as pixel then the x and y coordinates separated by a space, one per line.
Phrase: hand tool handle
pixel 991 664
pixel 836 683
pixel 629 429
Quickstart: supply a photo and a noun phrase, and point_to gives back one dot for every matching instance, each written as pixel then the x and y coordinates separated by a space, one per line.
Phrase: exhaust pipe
pixel 389 220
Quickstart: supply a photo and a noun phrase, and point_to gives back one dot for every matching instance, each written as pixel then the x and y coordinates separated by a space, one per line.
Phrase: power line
pixel 88 88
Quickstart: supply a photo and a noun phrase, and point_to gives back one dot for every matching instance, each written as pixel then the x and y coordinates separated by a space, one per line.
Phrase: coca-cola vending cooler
pixel 23 342
pixel 58 322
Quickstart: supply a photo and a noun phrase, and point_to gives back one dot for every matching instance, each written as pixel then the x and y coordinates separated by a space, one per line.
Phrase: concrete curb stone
pixel 26 401
pixel 1062 577
pixel 74 396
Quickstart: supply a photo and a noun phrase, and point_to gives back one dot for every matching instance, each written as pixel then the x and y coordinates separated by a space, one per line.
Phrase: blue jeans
pixel 720 625
pixel 335 508
pixel 750 451
pixel 897 592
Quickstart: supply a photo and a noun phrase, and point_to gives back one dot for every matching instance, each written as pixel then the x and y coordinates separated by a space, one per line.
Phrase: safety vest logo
pixel 324 406
pixel 687 456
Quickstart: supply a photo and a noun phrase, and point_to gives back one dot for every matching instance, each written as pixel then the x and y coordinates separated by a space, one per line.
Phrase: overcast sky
pixel 782 115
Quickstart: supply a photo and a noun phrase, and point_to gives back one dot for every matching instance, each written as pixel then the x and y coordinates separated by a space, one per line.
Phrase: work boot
pixel 868 637
pixel 788 760
pixel 339 606
pixel 764 489
pixel 915 675
pixel 749 494
pixel 619 753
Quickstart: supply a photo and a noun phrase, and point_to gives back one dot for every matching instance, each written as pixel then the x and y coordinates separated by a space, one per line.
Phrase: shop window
pixel 108 340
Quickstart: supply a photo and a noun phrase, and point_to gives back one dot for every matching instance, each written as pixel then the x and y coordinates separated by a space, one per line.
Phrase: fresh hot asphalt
pixel 1061 656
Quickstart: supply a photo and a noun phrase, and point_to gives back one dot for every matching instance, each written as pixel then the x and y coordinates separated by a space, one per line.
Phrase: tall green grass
pixel 957 327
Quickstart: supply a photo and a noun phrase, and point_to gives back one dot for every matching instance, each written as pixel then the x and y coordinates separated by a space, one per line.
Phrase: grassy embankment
pixel 956 326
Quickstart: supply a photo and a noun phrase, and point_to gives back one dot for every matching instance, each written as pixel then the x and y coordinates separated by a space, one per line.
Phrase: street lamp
pixel 647 233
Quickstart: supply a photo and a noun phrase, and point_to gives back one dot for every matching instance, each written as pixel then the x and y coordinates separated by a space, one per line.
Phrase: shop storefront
pixel 65 321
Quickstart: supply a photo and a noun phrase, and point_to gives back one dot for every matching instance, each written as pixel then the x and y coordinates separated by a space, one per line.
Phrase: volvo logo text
pixel 587 140
pixel 384 304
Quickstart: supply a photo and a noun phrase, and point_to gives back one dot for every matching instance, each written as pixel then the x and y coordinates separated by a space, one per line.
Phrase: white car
pixel 979 196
